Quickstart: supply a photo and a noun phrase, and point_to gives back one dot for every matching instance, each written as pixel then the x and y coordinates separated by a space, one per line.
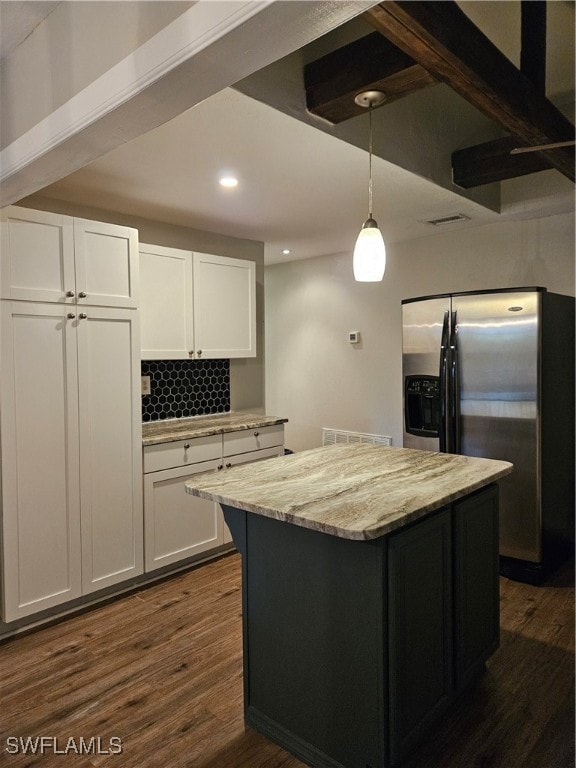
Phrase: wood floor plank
pixel 161 669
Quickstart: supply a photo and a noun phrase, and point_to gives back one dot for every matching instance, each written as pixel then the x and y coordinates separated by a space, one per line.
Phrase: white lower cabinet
pixel 71 453
pixel 178 525
pixel 110 447
pixel 40 459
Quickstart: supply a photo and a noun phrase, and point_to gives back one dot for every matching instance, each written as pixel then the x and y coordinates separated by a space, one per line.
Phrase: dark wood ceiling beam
pixel 441 38
pixel 533 42
pixel 370 63
pixel 492 161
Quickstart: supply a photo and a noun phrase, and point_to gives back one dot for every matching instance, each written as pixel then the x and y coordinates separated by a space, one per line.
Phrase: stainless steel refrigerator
pixel 491 374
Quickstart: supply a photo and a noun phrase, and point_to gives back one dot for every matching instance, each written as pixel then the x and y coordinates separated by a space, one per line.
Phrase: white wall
pixel 316 378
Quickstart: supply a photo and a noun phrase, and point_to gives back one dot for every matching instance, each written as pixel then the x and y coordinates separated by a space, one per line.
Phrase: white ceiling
pixel 300 188
pixel 18 20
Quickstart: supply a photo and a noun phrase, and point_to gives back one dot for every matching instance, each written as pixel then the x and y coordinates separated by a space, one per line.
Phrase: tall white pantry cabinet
pixel 70 421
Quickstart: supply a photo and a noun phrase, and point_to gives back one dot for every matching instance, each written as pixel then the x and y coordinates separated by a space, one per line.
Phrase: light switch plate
pixel 145 384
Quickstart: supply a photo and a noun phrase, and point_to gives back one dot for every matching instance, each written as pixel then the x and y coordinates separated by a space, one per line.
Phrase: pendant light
pixel 369 252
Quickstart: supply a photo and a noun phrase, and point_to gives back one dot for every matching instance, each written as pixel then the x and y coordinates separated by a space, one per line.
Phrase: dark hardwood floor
pixel 161 670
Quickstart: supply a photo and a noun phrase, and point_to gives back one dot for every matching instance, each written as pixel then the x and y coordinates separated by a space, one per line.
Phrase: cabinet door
pixel 37 256
pixel 245 458
pixel 40 493
pixel 224 307
pixel 178 525
pixel 106 257
pixel 166 303
pixel 420 629
pixel 477 586
pixel 110 446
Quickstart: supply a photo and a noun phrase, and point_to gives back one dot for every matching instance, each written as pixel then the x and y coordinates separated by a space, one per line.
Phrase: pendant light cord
pixel 370 161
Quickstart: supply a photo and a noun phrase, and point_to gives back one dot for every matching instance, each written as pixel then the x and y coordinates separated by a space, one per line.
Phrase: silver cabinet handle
pixel 82 295
pixel 256 434
pixel 82 315
pixel 199 353
pixel 70 294
pixel 186 446
pixel 191 353
pixel 70 315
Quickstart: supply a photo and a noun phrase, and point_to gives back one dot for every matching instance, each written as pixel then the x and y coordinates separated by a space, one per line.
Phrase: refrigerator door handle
pixel 454 389
pixel 442 431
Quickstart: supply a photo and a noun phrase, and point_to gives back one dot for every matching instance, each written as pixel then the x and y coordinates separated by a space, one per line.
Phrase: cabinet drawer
pixel 182 452
pixel 253 439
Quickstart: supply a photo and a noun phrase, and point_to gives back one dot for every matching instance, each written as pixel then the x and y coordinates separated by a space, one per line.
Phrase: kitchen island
pixel 370 593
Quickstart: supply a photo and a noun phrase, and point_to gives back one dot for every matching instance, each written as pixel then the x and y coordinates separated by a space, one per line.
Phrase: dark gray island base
pixel 353 647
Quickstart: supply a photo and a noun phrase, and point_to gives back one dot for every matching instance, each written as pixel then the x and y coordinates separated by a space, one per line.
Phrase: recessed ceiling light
pixel 285 251
pixel 228 181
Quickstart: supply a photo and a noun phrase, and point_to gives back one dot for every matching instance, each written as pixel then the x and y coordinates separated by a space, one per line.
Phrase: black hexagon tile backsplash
pixel 180 388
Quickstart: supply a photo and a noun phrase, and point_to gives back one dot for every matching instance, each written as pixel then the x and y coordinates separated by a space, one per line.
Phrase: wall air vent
pixel 340 436
pixel 454 219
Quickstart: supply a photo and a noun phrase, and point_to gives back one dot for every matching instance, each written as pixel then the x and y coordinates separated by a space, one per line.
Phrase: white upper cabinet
pixel 52 258
pixel 37 256
pixel 224 307
pixel 106 258
pixel 166 303
pixel 196 306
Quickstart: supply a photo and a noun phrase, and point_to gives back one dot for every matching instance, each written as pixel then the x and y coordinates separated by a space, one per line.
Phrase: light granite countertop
pixel 169 430
pixel 356 491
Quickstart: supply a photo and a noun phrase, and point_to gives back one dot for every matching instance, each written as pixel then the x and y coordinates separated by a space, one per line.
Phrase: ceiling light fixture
pixel 285 251
pixel 228 181
pixel 369 251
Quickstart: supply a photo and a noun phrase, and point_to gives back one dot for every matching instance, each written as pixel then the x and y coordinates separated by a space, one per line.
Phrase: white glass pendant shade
pixel 369 254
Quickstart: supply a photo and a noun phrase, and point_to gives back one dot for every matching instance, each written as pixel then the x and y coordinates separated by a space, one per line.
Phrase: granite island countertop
pixel 169 430
pixel 356 491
